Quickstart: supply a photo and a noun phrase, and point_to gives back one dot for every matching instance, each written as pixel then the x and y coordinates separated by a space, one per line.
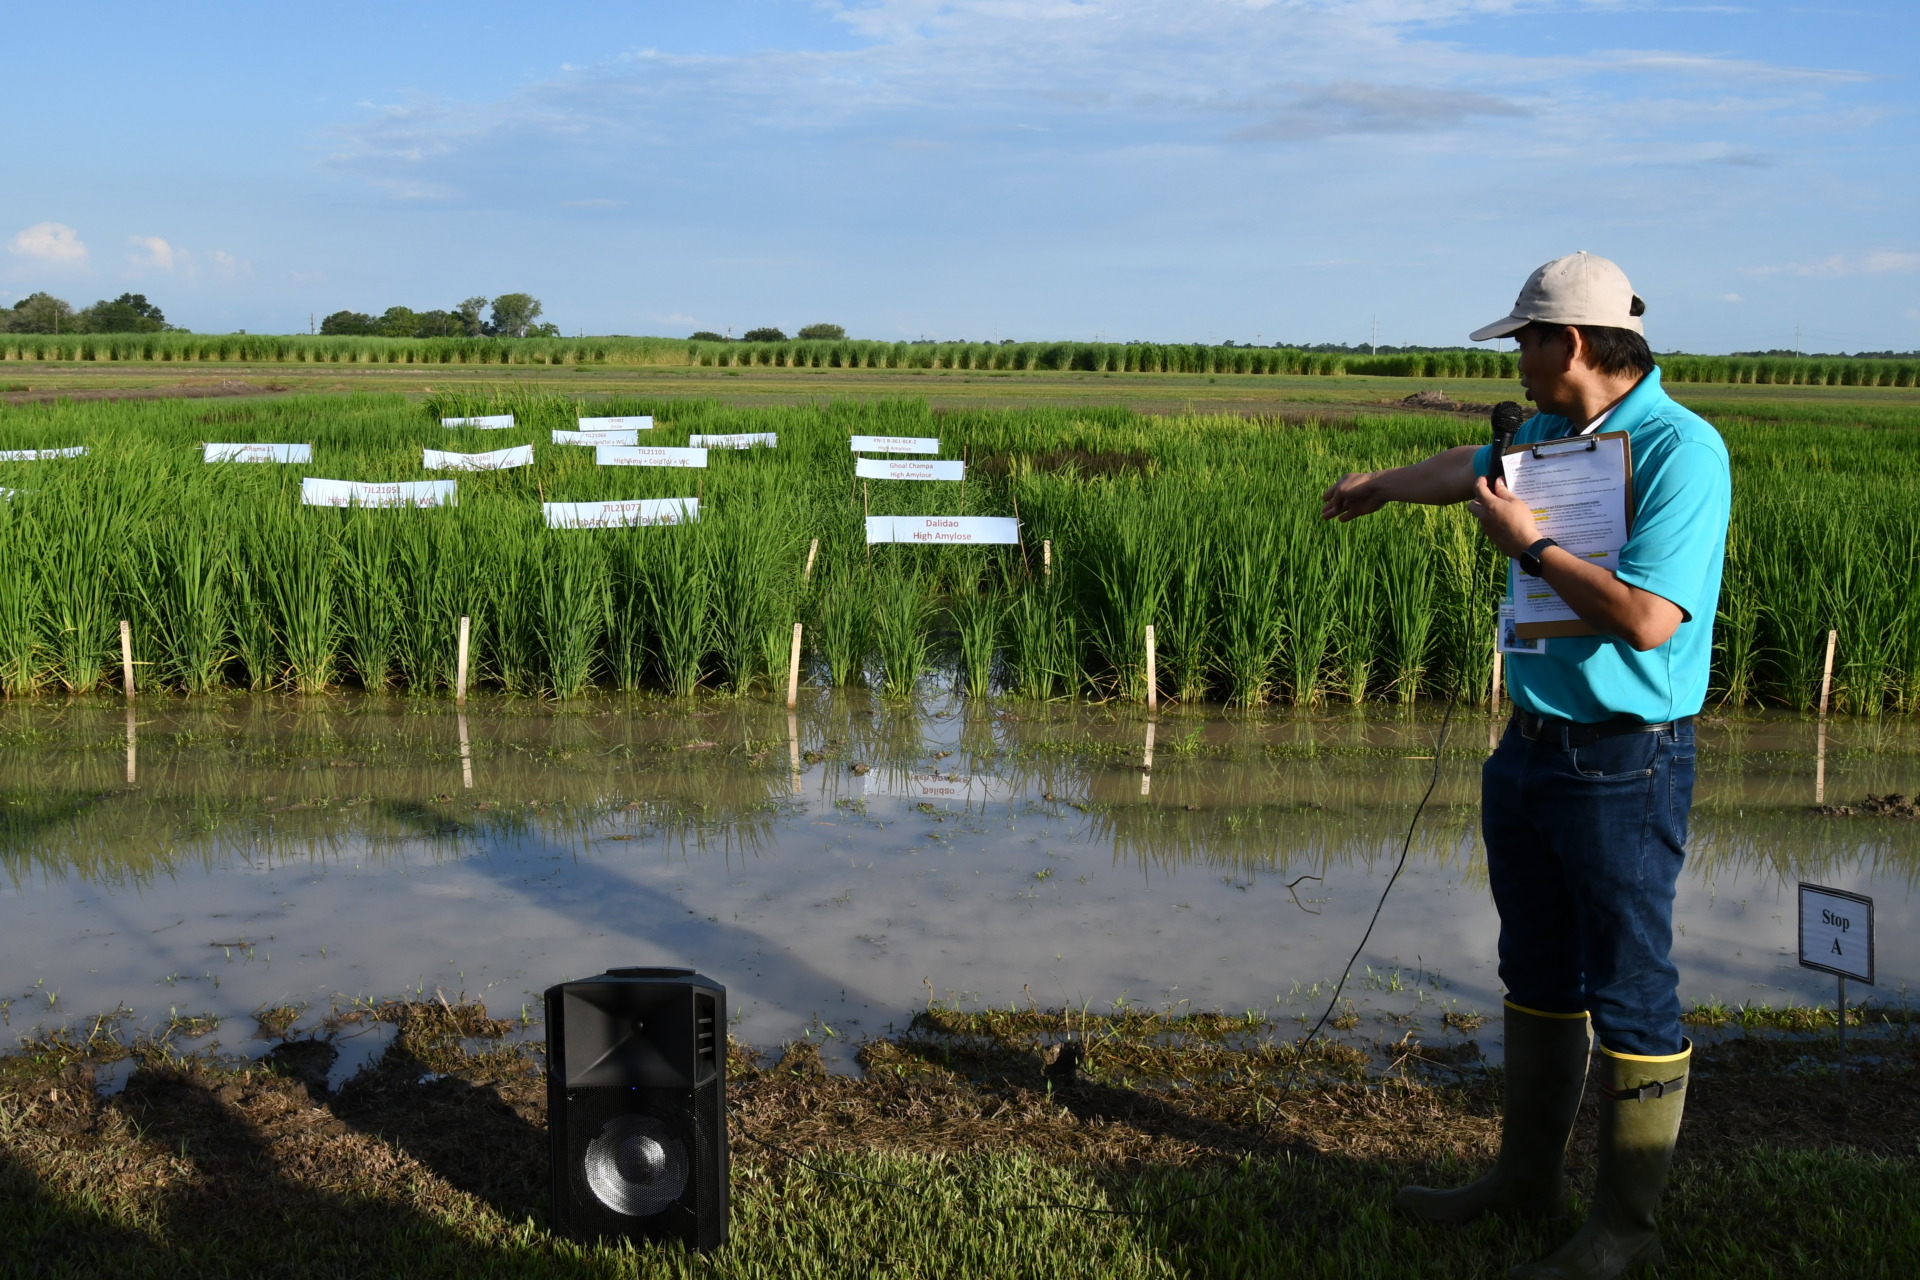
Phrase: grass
pixel 955 1153
pixel 1202 526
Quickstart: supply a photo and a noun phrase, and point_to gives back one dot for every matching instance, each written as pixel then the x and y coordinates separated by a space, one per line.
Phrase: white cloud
pixel 1882 262
pixel 1731 297
pixel 226 266
pixel 1879 262
pixel 1105 77
pixel 153 253
pixel 53 243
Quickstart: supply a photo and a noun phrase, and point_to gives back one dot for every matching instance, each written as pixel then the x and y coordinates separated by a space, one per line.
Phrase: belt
pixel 1575 734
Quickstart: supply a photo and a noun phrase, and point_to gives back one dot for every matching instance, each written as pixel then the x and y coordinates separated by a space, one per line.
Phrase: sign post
pixel 1836 936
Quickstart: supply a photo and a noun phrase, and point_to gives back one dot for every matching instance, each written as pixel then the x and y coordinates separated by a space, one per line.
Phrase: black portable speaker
pixel 636 1106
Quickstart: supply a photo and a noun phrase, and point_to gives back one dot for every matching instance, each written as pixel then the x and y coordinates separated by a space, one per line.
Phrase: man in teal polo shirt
pixel 1584 804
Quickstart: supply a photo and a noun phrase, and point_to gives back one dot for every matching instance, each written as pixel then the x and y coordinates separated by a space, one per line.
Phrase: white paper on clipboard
pixel 1581 493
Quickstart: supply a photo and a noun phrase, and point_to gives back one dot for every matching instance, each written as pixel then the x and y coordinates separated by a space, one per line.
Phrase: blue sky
pixel 1258 170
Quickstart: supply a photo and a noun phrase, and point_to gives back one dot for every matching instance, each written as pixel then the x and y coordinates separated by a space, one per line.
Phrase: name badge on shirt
pixel 1509 638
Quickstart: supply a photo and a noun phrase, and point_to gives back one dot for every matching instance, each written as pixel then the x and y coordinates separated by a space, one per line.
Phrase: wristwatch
pixel 1530 558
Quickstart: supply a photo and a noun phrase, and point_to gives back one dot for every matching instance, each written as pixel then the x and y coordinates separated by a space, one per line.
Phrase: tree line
pixel 808 333
pixel 44 313
pixel 514 315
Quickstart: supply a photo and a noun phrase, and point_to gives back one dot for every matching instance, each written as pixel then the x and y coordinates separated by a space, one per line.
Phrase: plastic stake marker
pixel 1046 557
pixel 813 550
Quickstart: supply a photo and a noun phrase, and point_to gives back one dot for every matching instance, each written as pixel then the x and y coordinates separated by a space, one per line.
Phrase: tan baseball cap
pixel 1580 288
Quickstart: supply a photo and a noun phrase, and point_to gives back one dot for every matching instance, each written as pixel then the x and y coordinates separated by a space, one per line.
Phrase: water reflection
pixel 833 862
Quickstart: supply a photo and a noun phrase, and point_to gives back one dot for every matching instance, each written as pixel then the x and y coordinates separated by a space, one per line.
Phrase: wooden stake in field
pixel 1046 557
pixel 126 660
pixel 1820 747
pixel 1153 672
pixel 813 549
pixel 460 666
pixel 793 671
pixel 1826 674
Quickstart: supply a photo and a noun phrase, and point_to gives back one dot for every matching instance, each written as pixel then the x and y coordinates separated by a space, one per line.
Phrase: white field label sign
pixel 491 422
pixel 936 786
pixel 908 469
pixel 964 530
pixel 258 453
pixel 1836 932
pixel 356 493
pixel 631 436
pixel 608 455
pixel 896 444
pixel 35 455
pixel 642 423
pixel 619 515
pixel 747 440
pixel 498 460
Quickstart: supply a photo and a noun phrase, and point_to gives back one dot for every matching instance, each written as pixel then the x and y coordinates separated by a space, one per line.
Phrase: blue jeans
pixel 1584 847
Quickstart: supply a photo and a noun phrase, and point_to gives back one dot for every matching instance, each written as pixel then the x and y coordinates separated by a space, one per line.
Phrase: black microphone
pixel 1507 418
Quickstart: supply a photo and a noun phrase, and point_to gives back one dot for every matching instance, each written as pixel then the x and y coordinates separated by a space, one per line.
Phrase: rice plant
pixel 977 612
pixel 369 607
pixel 80 549
pixel 625 625
pixel 1042 642
pixel 1251 623
pixel 20 604
pixel 903 613
pixel 301 594
pixel 842 626
pixel 1356 580
pixel 1407 583
pixel 1307 602
pixel 677 587
pixel 574 599
pixel 1185 633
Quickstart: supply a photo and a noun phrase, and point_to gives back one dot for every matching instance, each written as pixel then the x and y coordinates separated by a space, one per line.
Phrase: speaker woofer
pixel 636 1167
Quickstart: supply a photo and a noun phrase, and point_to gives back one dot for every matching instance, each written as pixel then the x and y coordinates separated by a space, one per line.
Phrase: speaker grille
pixel 648 1159
pixel 636 1166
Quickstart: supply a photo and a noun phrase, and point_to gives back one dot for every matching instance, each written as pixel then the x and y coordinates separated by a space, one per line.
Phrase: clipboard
pixel 1587 506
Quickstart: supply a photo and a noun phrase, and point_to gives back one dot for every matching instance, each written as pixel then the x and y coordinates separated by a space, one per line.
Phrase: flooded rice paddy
pixel 839 867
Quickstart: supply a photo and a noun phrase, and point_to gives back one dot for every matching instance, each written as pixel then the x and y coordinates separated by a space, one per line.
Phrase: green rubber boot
pixel 1546 1070
pixel 1640 1104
